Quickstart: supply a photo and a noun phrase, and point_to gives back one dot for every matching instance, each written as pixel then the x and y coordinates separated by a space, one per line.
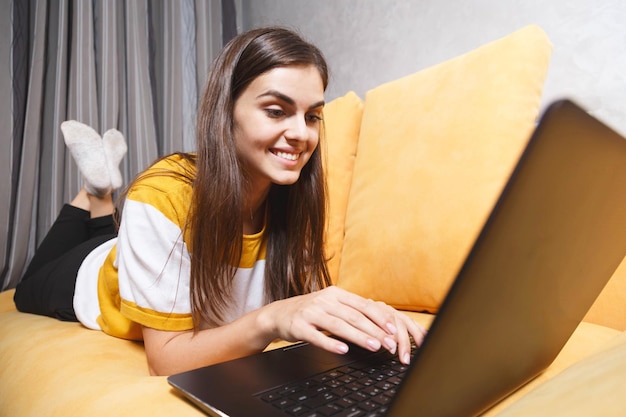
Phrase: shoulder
pixel 166 186
pixel 179 166
pixel 171 174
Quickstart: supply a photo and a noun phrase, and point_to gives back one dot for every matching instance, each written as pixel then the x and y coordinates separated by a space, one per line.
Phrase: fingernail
pixel 342 348
pixel 373 344
pixel 391 328
pixel 390 345
pixel 406 359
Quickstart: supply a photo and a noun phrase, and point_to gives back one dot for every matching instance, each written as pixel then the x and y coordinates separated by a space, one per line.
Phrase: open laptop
pixel 553 240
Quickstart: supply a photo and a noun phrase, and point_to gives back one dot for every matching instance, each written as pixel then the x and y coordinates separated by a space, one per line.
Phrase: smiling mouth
pixel 286 155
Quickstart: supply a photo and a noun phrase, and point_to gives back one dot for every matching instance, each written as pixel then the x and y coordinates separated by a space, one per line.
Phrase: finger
pixel 352 326
pixel 404 341
pixel 408 327
pixel 377 312
pixel 356 319
pixel 319 339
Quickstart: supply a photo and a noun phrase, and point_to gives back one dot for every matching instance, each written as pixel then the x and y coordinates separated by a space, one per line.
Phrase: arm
pixel 309 317
pixel 170 352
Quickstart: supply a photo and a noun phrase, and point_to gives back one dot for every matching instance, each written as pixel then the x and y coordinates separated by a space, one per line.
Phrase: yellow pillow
pixel 434 152
pixel 342 122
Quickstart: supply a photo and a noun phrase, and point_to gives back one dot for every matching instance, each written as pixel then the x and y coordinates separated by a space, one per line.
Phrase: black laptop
pixel 552 241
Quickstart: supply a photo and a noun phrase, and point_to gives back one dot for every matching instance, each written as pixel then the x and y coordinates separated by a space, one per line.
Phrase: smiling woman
pixel 220 252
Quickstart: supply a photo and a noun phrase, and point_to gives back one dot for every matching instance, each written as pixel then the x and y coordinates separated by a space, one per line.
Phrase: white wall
pixel 368 42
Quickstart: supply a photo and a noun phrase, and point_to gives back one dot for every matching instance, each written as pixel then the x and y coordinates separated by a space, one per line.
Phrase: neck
pixel 253 220
pixel 253 212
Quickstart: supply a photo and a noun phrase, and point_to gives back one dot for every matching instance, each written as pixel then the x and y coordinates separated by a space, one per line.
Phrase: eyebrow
pixel 287 99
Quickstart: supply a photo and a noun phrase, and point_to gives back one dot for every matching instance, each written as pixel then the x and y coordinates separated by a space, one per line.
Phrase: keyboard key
pixel 385 385
pixel 341 391
pixel 283 403
pixel 297 410
pixel 272 396
pixel 381 399
pixel 345 402
pixel 359 396
pixel 368 406
pixel 351 412
pixel 320 400
pixel 354 386
pixel 330 409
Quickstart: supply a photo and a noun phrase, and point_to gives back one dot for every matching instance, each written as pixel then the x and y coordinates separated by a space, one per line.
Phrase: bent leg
pixel 68 231
pixel 47 287
pixel 49 290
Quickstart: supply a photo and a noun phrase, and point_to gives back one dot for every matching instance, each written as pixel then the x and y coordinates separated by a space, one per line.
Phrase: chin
pixel 290 180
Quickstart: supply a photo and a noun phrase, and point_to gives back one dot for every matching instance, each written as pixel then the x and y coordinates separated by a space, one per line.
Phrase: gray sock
pixel 87 149
pixel 114 150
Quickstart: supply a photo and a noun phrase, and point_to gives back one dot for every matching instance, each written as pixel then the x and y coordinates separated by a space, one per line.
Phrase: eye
pixel 274 113
pixel 313 118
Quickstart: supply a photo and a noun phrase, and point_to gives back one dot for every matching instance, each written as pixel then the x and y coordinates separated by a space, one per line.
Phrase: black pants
pixel 47 286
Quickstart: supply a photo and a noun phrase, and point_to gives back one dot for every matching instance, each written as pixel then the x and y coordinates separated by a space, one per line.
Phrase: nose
pixel 297 129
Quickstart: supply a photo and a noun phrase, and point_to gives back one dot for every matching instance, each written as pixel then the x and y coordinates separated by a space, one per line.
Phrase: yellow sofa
pixel 413 170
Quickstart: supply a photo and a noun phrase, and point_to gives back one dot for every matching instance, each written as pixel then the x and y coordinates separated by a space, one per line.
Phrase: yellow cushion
pixel 342 122
pixel 54 368
pixel 610 307
pixel 435 149
pixel 591 387
pixel 6 301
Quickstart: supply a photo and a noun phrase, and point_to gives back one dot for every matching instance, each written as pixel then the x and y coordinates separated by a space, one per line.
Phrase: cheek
pixel 314 138
pixel 314 143
pixel 247 138
pixel 248 129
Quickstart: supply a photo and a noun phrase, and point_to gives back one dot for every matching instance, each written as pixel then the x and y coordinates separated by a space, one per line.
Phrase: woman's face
pixel 277 121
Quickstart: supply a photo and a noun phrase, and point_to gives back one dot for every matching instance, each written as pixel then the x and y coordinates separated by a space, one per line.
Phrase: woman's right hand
pixel 345 315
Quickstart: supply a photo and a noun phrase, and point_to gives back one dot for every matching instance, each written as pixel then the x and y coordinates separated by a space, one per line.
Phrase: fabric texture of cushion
pixel 434 152
pixel 57 368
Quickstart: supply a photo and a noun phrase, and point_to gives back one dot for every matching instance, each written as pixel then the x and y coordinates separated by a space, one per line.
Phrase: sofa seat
pixel 63 369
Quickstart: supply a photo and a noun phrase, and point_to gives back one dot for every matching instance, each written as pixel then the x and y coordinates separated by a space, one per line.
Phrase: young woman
pixel 219 252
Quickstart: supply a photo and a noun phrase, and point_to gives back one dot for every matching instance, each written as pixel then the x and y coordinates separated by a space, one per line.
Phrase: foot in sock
pixel 96 159
pixel 85 145
pixel 114 150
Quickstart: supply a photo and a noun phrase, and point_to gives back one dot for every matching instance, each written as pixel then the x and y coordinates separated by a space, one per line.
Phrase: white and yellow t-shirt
pixel 143 275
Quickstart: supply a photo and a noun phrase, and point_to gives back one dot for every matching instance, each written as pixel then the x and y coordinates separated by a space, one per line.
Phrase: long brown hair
pixel 295 260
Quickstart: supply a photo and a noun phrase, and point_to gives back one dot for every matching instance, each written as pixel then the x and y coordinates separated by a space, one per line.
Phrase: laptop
pixel 554 238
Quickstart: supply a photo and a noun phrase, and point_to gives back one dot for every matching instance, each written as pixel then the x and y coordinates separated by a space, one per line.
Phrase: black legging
pixel 47 286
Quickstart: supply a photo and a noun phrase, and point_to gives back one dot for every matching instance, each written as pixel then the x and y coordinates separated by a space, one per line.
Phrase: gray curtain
pixel 138 66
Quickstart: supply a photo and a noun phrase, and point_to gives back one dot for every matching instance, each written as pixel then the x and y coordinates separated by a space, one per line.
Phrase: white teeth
pixel 289 156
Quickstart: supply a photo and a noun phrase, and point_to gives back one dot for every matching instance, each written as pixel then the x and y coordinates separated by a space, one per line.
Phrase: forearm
pixel 173 352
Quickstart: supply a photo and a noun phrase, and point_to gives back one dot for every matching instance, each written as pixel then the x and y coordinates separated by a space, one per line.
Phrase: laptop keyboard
pixel 358 389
